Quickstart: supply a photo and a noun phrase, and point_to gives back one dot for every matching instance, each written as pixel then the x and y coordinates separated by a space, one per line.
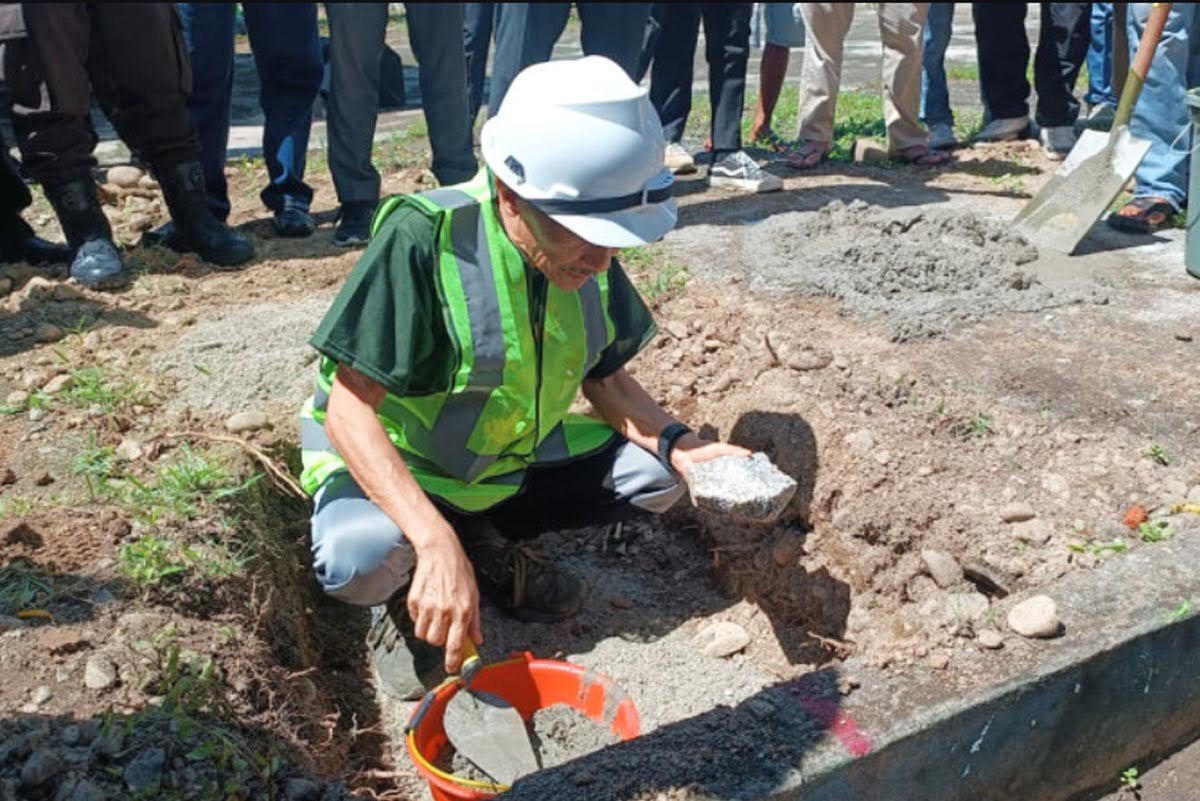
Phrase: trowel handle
pixel 471 664
pixel 1151 33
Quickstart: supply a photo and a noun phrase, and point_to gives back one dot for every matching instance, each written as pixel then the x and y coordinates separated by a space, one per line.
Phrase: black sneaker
pixel 518 578
pixel 405 666
pixel 354 224
pixel 294 221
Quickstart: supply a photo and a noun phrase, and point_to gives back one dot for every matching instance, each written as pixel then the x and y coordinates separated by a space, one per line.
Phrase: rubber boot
pixel 96 263
pixel 196 228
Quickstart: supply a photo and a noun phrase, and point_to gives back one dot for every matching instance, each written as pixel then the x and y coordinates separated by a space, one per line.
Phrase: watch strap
pixel 666 442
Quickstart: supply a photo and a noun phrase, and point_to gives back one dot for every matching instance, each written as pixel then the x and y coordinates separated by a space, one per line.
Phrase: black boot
pixel 96 263
pixel 405 667
pixel 195 227
pixel 18 242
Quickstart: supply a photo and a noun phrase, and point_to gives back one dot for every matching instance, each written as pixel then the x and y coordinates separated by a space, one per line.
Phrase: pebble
pixel 99 673
pixel 1017 512
pixel 7 476
pixel 42 766
pixel 58 384
pixel 246 421
pixel 723 638
pixel 939 661
pixel 80 790
pixel 804 360
pixel 6 286
pixel 143 774
pixel 301 790
pixel 70 735
pixel 1035 617
pixel 17 399
pixel 129 449
pixel 621 602
pixel 37 414
pixel 787 549
pixel 677 329
pixel 124 176
pixel 40 695
pixel 990 639
pixel 47 332
pixel 748 488
pixel 44 479
pixel 8 623
pixel 862 441
pixel 1034 532
pixel 944 568
pixel 92 340
pixel 966 606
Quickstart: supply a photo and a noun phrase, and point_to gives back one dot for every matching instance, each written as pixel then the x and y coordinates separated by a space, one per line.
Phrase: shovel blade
pixel 491 734
pixel 1086 184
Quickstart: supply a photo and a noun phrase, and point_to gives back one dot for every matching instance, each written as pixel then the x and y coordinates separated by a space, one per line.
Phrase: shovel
pixel 1096 169
pixel 486 729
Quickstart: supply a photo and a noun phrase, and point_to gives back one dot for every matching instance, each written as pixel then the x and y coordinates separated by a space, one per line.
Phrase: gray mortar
pixel 247 357
pixel 748 488
pixel 919 273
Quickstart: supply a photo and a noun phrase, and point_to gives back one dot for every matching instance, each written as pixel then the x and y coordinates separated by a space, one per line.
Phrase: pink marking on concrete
pixel 840 725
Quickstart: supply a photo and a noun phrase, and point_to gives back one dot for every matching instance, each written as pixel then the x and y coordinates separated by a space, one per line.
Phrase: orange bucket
pixel 529 685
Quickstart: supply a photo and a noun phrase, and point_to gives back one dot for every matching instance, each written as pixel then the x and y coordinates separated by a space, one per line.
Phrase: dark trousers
pixel 526 33
pixel 478 19
pixel 283 39
pixel 1003 47
pixel 671 37
pixel 130 54
pixel 14 198
pixel 356 41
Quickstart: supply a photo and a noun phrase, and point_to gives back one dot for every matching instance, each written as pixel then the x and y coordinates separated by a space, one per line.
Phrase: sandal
pixel 921 156
pixel 1150 214
pixel 809 155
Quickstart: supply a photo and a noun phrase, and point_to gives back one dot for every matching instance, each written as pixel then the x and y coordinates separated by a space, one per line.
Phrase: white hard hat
pixel 581 142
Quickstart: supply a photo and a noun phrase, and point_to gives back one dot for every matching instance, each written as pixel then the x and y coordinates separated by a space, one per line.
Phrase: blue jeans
pixel 1099 58
pixel 935 94
pixel 283 39
pixel 1161 114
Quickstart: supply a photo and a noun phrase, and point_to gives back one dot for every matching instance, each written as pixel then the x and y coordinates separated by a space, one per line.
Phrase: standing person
pixel 478 24
pixel 526 33
pixel 1100 98
pixel 936 113
pixel 900 30
pixel 785 30
pixel 286 49
pixel 357 34
pixel 1003 47
pixel 18 242
pixel 1162 115
pixel 676 28
pixel 131 56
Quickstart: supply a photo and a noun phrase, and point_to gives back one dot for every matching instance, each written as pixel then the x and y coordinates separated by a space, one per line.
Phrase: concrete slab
pixel 1055 720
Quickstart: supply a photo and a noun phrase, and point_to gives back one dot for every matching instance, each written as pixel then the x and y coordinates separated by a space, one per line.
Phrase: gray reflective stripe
pixel 553 447
pixel 320 397
pixel 313 436
pixel 593 320
pixel 449 198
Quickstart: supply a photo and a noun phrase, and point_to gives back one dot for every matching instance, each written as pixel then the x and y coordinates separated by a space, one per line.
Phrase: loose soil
pixel 910 421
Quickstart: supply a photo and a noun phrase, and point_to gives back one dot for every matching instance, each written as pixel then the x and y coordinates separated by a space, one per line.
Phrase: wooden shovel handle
pixel 1151 33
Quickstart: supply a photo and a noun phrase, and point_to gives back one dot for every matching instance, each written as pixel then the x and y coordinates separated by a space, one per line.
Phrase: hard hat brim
pixel 622 229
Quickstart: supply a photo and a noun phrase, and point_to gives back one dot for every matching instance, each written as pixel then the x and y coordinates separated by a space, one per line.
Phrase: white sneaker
pixel 941 136
pixel 678 160
pixel 739 171
pixel 1004 130
pixel 1057 141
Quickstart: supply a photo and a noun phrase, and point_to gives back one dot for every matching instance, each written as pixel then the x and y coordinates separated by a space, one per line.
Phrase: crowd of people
pixel 163 74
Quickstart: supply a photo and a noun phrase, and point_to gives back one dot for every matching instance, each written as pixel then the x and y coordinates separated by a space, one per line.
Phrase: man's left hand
pixel 690 450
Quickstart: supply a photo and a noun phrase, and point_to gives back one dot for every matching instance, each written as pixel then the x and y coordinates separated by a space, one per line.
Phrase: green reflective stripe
pixel 593 321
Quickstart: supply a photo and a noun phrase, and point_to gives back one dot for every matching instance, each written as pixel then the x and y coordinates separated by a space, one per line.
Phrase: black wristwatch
pixel 666 442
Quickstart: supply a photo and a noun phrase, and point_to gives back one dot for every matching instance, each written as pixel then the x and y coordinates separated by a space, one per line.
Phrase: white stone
pixel 129 449
pixel 964 607
pixel 1035 617
pixel 862 442
pixel 1017 512
pixel 246 421
pixel 41 694
pixel 99 673
pixel 944 568
pixel 57 384
pixel 1034 532
pixel 17 399
pixel 124 176
pixel 722 638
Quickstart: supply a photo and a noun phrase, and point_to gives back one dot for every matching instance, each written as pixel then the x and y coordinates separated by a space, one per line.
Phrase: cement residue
pixel 247 357
pixel 921 272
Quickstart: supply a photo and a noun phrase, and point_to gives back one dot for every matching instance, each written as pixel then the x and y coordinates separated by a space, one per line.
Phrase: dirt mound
pixel 921 272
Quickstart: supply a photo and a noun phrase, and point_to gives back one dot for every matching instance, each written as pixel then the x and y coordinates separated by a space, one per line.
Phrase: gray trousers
pixel 526 33
pixel 356 41
pixel 360 555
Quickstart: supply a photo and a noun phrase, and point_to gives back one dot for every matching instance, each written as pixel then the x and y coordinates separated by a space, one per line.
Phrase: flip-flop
pixel 1153 214
pixel 921 156
pixel 809 155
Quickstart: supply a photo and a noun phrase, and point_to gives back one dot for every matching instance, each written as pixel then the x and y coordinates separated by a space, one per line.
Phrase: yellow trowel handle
pixel 471 664
pixel 1155 23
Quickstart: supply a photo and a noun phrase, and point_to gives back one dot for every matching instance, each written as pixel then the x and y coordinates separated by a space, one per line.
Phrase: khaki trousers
pixel 901 26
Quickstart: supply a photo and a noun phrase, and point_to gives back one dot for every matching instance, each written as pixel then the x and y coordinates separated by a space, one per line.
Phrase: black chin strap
pixel 604 205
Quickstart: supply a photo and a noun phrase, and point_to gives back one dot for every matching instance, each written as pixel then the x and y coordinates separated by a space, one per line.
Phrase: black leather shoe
pixel 194 228
pixel 98 265
pixel 354 224
pixel 34 250
pixel 294 221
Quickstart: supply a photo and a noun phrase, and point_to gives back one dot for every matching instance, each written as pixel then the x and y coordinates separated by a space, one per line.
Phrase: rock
pixel 990 579
pixel 40 695
pixel 17 399
pixel 723 638
pixel 861 442
pixel 112 743
pixel 7 477
pixel 129 449
pixel 990 639
pixel 1033 532
pixel 246 421
pixel 8 623
pixel 1017 512
pixel 677 329
pixel 44 479
pixel 69 736
pixel 92 340
pixel 143 774
pixel 943 568
pixel 6 286
pixel 47 332
pixel 42 766
pixel 787 549
pixel 125 176
pixel 58 384
pixel 966 607
pixel 868 151
pixel 35 378
pixel 748 488
pixel 805 360
pixel 36 415
pixel 79 790
pixel 939 661
pixel 1035 617
pixel 99 673
pixel 621 602
pixel 301 790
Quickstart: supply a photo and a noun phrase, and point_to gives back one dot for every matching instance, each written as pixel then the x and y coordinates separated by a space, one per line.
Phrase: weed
pixel 1180 612
pixel 110 392
pixel 1157 453
pixel 1129 780
pixel 15 507
pixel 97 464
pixel 978 427
pixel 184 489
pixel 1117 545
pixel 653 272
pixel 962 72
pixel 21 587
pixel 149 561
pixel 1155 531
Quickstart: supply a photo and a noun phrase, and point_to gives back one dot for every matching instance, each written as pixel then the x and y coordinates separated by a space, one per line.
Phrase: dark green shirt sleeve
pixel 387 322
pixel 632 320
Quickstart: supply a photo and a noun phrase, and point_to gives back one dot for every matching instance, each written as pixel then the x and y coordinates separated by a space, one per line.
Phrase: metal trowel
pixel 486 729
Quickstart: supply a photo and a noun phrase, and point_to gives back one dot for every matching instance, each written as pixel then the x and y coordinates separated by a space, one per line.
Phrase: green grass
pixel 1157 454
pixel 962 72
pixel 15 507
pixel 653 272
pixel 21 587
pixel 190 485
pixel 1117 545
pixel 1155 531
pixel 103 388
pixel 96 464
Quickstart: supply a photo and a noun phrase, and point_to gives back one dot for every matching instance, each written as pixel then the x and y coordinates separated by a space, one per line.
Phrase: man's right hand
pixel 443 600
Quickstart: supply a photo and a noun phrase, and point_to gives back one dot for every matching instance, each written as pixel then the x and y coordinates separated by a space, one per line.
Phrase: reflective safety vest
pixel 522 359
